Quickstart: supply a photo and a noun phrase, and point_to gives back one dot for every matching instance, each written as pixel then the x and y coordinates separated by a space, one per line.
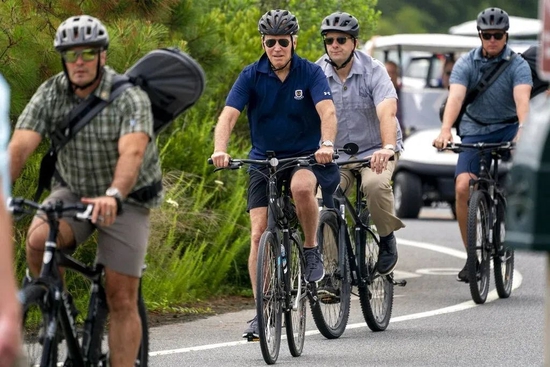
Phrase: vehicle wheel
pixel 479 256
pixel 331 311
pixel 376 296
pixel 295 317
pixel 407 190
pixel 503 258
pixel 268 300
pixel 36 320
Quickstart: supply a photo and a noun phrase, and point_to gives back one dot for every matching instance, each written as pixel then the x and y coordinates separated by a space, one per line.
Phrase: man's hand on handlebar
pixel 445 137
pixel 324 155
pixel 105 210
pixel 379 160
pixel 220 159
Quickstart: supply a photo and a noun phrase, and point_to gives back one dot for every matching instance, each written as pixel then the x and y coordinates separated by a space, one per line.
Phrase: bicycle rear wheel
pixel 503 259
pixel 331 311
pixel 98 346
pixel 295 316
pixel 36 320
pixel 376 296
pixel 268 298
pixel 479 257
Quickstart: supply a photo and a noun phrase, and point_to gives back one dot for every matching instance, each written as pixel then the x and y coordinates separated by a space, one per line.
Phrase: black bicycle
pixel 281 286
pixel 349 246
pixel 486 224
pixel 51 336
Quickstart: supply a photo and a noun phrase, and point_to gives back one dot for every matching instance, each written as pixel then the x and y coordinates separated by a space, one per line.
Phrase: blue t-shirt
pixel 281 115
pixel 4 138
pixel 496 104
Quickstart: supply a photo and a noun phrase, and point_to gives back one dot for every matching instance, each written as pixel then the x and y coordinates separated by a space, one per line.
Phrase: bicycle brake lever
pixel 87 214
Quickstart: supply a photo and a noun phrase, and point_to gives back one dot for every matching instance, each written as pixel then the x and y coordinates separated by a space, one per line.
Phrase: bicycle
pixel 280 282
pixel 486 225
pixel 350 260
pixel 58 342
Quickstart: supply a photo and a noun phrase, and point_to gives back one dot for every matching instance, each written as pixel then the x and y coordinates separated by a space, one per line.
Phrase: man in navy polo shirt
pixel 494 116
pixel 290 110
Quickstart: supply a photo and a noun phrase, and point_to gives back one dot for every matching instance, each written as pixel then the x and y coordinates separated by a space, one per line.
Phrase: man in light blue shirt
pixel 494 116
pixel 366 106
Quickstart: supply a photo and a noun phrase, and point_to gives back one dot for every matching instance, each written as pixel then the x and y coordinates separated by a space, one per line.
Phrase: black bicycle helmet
pixel 340 22
pixel 493 18
pixel 81 30
pixel 278 22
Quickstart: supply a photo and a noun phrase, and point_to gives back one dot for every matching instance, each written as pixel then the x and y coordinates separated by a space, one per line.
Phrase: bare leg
pixel 302 187
pixel 125 324
pixel 258 221
pixel 462 194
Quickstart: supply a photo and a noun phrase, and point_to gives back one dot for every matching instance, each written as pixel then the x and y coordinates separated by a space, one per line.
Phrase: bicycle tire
pixel 376 295
pixel 479 257
pixel 98 349
pixel 268 297
pixel 503 258
pixel 331 311
pixel 34 298
pixel 295 315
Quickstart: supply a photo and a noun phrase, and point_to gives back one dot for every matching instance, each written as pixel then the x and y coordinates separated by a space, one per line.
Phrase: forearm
pixel 9 306
pixel 327 114
pixel 126 171
pixel 452 110
pixel 222 132
pixel 386 111
pixel 522 110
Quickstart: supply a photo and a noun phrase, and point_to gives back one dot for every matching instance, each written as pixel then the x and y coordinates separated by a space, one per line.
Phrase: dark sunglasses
pixel 497 36
pixel 88 54
pixel 340 40
pixel 271 42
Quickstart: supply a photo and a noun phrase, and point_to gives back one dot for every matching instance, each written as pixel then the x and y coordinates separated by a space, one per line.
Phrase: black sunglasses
pixel 271 42
pixel 340 40
pixel 498 36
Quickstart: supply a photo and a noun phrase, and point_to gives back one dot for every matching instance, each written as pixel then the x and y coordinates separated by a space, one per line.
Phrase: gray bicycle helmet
pixel 81 30
pixel 278 22
pixel 340 22
pixel 493 18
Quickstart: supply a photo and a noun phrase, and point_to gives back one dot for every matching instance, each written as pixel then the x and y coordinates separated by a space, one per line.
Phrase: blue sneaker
pixel 315 270
pixel 252 332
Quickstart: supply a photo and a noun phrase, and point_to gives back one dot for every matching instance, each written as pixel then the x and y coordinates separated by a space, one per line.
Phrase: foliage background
pixel 199 242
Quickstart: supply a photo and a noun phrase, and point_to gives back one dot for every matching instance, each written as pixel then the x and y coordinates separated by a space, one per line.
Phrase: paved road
pixel 434 321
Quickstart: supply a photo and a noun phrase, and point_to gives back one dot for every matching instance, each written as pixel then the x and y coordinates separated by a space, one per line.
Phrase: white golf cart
pixel 423 176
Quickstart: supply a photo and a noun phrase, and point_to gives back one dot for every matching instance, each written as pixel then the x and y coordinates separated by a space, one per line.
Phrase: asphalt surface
pixel 434 320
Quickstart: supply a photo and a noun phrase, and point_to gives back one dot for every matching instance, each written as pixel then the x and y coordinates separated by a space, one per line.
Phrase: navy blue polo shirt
pixel 281 115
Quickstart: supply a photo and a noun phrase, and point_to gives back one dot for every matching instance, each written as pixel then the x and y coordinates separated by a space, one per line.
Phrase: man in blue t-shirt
pixel 290 110
pixel 496 115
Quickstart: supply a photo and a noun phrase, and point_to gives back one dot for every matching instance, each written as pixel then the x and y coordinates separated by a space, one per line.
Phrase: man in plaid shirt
pixel 111 163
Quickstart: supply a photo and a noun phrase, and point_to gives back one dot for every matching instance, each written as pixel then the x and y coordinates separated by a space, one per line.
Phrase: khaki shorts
pixel 122 246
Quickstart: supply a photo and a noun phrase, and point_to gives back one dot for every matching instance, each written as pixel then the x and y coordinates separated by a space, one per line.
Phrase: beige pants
pixel 378 192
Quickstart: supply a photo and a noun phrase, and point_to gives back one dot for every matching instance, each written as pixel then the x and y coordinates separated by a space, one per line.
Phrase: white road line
pixel 492 296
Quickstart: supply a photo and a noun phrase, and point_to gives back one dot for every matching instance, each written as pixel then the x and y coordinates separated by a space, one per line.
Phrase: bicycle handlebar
pixel 20 205
pixel 236 163
pixel 458 147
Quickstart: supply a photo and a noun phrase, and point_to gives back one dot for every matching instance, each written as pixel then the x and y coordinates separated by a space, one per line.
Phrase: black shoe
pixel 463 275
pixel 327 292
pixel 387 255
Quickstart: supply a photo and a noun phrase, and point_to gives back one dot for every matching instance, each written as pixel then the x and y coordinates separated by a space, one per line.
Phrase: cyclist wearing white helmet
pixel 104 164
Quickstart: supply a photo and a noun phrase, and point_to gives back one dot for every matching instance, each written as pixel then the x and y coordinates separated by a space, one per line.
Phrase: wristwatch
pixel 115 193
pixel 390 147
pixel 327 143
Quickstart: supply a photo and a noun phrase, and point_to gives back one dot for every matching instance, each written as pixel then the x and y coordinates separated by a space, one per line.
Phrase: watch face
pixel 112 192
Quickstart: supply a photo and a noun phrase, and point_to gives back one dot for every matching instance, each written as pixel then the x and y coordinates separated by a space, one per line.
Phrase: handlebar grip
pixel 210 161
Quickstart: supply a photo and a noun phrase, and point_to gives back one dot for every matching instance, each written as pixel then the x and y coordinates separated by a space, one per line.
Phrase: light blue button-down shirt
pixel 4 137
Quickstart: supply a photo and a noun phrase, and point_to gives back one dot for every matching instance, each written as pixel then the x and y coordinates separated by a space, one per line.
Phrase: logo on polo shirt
pixel 298 94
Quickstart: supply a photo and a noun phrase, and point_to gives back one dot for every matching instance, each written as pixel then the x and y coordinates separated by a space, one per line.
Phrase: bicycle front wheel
pixel 376 295
pixel 268 297
pixel 295 315
pixel 331 311
pixel 478 261
pixel 503 259
pixel 40 349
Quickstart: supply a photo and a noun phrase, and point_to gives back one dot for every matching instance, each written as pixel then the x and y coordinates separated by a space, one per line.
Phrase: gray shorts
pixel 122 246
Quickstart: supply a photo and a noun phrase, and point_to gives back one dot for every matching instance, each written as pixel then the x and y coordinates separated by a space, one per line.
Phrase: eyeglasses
pixel 498 36
pixel 88 54
pixel 271 42
pixel 340 40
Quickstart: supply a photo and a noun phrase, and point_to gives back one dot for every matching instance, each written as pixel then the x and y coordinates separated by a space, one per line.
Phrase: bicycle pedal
pixel 252 338
pixel 400 283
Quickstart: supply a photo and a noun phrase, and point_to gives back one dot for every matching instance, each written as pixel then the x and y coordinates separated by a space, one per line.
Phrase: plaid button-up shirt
pixel 87 162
